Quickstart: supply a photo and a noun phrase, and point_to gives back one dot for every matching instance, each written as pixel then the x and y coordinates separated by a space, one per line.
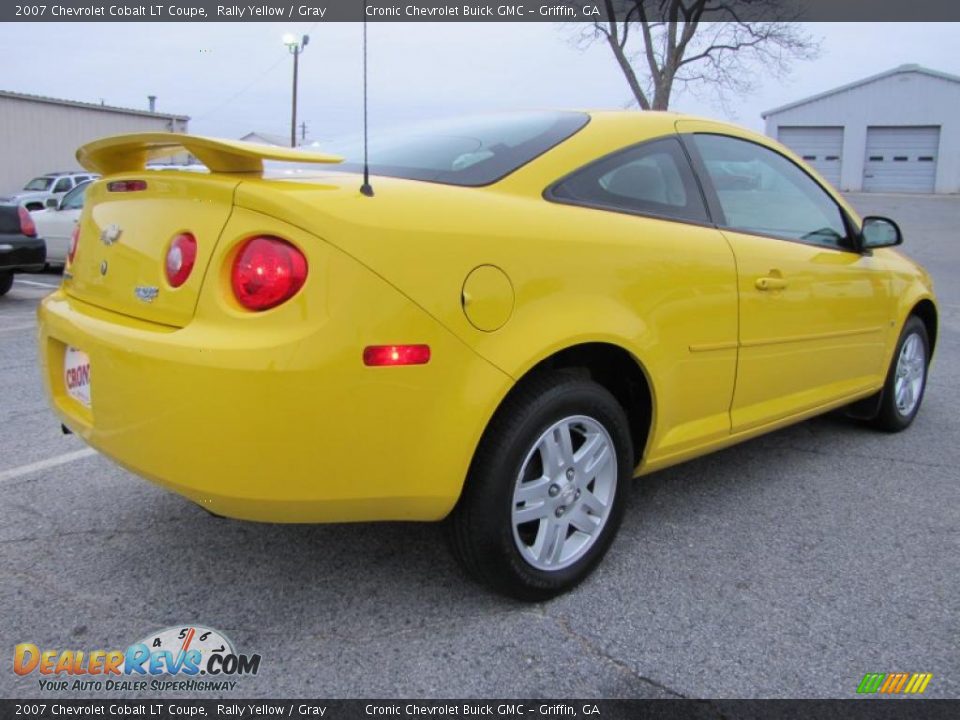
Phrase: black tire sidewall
pixel 511 444
pixel 890 417
pixel 6 282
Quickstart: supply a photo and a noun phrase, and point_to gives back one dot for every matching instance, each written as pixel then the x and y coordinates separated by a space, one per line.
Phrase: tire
pixel 906 378
pixel 6 282
pixel 506 529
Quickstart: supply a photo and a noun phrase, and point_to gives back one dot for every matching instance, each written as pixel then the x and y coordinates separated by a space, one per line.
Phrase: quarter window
pixel 762 192
pixel 649 179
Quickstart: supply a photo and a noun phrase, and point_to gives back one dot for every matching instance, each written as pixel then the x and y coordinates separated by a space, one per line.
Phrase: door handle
pixel 771 283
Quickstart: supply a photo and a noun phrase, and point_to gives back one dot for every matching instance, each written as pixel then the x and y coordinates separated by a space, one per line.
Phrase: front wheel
pixel 906 378
pixel 6 282
pixel 546 491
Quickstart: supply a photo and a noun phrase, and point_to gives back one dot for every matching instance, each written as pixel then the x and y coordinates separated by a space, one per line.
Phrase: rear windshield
pixel 465 151
pixel 40 183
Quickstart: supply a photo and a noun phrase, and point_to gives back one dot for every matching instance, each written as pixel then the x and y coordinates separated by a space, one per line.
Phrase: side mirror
pixel 53 203
pixel 880 232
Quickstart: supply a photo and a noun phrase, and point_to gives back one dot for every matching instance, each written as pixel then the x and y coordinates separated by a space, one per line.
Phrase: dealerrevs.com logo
pixel 191 658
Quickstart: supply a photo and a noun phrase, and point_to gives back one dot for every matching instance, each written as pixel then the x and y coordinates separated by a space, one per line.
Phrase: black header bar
pixel 528 709
pixel 470 10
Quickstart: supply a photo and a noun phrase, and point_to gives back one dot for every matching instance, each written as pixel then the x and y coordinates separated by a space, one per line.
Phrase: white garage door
pixel 901 159
pixel 821 147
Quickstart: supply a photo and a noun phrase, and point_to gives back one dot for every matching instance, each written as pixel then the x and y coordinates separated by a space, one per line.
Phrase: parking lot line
pixel 17 327
pixel 36 284
pixel 17 472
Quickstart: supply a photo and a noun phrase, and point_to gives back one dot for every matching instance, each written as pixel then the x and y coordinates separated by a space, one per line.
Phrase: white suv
pixel 35 193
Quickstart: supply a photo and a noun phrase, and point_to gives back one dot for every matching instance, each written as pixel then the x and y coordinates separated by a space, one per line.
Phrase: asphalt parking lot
pixel 789 566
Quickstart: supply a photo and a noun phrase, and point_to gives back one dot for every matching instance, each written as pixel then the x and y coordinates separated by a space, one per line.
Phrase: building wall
pixel 38 137
pixel 908 98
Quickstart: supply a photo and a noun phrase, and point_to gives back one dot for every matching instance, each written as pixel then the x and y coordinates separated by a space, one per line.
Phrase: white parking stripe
pixel 16 472
pixel 35 284
pixel 11 328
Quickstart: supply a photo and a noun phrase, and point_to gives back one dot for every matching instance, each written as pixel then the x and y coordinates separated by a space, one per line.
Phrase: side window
pixel 762 192
pixel 653 178
pixel 63 184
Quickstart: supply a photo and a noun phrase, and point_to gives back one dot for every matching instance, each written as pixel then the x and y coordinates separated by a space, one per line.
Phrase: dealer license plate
pixel 76 375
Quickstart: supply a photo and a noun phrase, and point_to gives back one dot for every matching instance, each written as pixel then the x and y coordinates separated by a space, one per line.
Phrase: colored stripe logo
pixel 895 683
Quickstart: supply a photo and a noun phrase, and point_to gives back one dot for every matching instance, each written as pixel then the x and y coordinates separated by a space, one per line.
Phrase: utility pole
pixel 295 47
pixel 303 133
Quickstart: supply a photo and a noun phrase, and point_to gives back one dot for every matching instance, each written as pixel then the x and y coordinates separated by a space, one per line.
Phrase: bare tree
pixel 700 44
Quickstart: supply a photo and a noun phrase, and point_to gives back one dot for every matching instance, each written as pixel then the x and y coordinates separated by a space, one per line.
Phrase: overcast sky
pixel 234 78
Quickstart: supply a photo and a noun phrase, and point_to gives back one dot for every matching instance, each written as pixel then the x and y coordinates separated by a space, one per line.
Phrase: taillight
pixel 126 185
pixel 74 241
pixel 181 255
pixel 267 271
pixel 27 226
pixel 385 355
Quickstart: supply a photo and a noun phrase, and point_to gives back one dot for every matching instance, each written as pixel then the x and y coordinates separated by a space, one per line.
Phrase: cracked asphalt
pixel 788 566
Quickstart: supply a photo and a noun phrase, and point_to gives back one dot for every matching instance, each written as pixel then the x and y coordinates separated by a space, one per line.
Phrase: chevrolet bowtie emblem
pixel 146 293
pixel 110 234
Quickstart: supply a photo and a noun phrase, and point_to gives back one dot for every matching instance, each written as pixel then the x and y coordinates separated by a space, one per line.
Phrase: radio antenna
pixel 366 188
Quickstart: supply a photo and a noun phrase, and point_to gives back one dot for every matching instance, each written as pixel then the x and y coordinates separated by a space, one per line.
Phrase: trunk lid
pixel 124 238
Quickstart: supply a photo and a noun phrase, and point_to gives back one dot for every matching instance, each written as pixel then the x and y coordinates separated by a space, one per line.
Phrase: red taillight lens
pixel 267 271
pixel 181 255
pixel 27 226
pixel 385 355
pixel 126 185
pixel 74 240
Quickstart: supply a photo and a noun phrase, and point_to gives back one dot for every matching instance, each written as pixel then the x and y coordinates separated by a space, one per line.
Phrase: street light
pixel 295 46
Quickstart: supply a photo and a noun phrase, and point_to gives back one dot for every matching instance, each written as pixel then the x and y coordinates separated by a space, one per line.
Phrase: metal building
pixel 898 131
pixel 41 134
pixel 265 138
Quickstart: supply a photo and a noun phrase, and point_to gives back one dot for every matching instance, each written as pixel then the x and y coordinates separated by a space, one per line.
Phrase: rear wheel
pixel 906 378
pixel 6 282
pixel 546 490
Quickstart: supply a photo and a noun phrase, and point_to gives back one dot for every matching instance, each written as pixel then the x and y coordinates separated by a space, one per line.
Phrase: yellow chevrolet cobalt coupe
pixel 526 312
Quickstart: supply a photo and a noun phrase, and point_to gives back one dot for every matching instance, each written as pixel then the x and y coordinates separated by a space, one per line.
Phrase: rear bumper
pixel 22 254
pixel 283 424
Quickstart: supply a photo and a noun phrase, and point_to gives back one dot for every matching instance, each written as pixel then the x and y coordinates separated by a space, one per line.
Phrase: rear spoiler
pixel 130 153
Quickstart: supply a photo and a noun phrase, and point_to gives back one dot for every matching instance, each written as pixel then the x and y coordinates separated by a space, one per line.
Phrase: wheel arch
pixel 611 366
pixel 927 312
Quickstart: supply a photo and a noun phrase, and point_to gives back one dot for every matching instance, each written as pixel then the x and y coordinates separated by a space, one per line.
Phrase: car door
pixel 680 282
pixel 814 310
pixel 55 226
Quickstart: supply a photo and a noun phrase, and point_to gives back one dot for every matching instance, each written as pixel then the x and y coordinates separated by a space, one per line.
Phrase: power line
pixel 250 84
pixel 242 90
